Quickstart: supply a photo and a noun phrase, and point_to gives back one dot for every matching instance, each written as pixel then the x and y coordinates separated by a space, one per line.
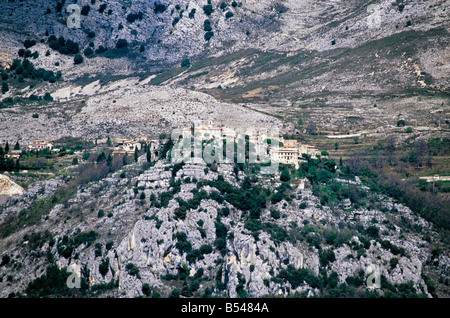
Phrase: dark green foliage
pixel 85 10
pixel 285 175
pixel 185 63
pixel 393 262
pixel 326 257
pixel 229 15
pixel 109 245
pixel 183 245
pixel 103 268
pixel 121 43
pixel 5 87
pixel 146 289
pixel 5 260
pixel 372 231
pixel 102 8
pixel 48 97
pixel 88 51
pixel 133 270
pixel 174 294
pixel 275 214
pixel 209 35
pixel 159 8
pixel 134 16
pixel 297 277
pixel 78 59
pixel 207 25
pixel 29 43
pixel 208 9
pixel 194 255
pixel 53 283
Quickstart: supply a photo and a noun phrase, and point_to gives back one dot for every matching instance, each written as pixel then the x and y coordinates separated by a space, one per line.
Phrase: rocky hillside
pixel 200 230
pixel 311 68
pixel 344 65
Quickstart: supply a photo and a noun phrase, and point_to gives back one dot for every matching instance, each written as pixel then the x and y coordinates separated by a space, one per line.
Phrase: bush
pixel 133 270
pixel 229 15
pixel 103 268
pixel 78 59
pixel 185 63
pixel 85 10
pixel 208 9
pixel 159 8
pixel 29 43
pixel 48 97
pixel 5 87
pixel 326 257
pixel 88 51
pixel 5 260
pixel 209 35
pixel 121 43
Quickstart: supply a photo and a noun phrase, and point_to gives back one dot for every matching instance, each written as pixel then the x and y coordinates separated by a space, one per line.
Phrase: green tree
pixel 285 175
pixel 300 121
pixel 336 145
pixel 78 59
pixel 48 97
pixel 5 87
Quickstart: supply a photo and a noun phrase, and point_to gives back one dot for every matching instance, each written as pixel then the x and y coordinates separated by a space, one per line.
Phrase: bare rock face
pixel 9 188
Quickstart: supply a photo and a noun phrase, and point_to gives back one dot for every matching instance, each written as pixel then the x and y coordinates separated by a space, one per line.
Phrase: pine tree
pixel 7 147
pixel 17 146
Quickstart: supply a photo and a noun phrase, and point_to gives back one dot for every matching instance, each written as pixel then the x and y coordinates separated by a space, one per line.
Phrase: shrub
pixel 100 213
pixel 229 15
pixel 121 43
pixel 209 35
pixel 29 43
pixel 372 231
pixel 85 10
pixel 134 16
pixel 146 289
pixel 78 59
pixel 102 7
pixel 185 63
pixel 208 9
pixel 48 97
pixel 393 262
pixel 326 257
pixel 5 87
pixel 285 175
pixel 159 8
pixel 88 51
pixel 5 260
pixel 133 270
pixel 103 268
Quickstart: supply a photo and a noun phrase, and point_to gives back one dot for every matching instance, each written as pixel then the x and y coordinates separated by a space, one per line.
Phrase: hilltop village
pixel 280 150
